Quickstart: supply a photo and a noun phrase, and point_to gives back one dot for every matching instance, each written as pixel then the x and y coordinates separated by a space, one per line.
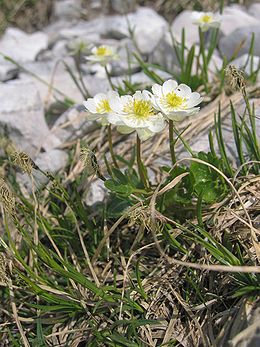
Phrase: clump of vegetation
pixel 166 261
pixel 28 15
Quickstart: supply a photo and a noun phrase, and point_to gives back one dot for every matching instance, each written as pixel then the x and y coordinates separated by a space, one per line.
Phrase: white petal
pixel 135 122
pixel 123 129
pixel 183 91
pixel 94 116
pixel 147 95
pixel 194 100
pixel 115 119
pixel 179 115
pixel 169 86
pixel 90 105
pixel 196 15
pixel 138 95
pixel 157 124
pixel 115 103
pixel 112 94
pixel 99 97
pixel 144 134
pixel 157 90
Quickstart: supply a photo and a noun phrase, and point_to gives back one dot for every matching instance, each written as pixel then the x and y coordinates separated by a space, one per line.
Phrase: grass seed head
pixel 3 273
pixel 23 161
pixel 235 78
pixel 89 160
pixel 7 198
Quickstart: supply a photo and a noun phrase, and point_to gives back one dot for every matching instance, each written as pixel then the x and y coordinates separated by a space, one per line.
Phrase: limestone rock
pixel 239 41
pixel 96 193
pixel 123 6
pixel 244 63
pixel 53 160
pixel 8 71
pixel 22 115
pixel 183 21
pixel 254 10
pixel 234 18
pixel 73 124
pixel 22 47
pixel 67 9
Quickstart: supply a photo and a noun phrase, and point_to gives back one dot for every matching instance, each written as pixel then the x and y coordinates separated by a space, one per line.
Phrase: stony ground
pixel 37 90
pixel 39 79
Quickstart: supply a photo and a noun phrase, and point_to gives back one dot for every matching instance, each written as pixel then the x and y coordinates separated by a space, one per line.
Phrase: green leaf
pixel 121 189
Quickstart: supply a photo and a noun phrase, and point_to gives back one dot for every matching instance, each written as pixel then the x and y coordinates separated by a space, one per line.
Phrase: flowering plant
pixel 206 20
pixel 103 54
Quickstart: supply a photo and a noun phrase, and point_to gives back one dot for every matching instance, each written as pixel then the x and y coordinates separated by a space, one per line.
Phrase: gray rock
pixel 164 54
pixel 53 81
pixel 96 192
pixel 245 64
pixel 22 115
pixel 183 21
pixel 254 10
pixel 73 124
pixel 67 9
pixel 123 6
pixel 87 30
pixel 239 41
pixel 58 51
pixel 52 161
pixel 8 71
pixel 234 18
pixel 22 47
pixel 53 30
pixel 149 28
pixel 125 51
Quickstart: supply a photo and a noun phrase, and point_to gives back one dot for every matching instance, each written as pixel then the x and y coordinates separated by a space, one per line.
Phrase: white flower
pixel 99 107
pixel 175 101
pixel 206 20
pixel 102 55
pixel 136 113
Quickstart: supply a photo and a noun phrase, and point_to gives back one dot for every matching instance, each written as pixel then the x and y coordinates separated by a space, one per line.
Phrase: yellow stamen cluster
pixel 175 101
pixel 206 18
pixel 103 107
pixel 139 108
pixel 103 51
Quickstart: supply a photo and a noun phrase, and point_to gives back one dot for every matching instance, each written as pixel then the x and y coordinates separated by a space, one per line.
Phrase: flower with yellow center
pixel 102 54
pixel 136 113
pixel 99 106
pixel 205 20
pixel 175 101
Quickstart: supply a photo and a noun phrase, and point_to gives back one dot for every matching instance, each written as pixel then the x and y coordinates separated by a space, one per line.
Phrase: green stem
pixel 172 142
pixel 109 78
pixel 204 58
pixel 140 164
pixel 109 133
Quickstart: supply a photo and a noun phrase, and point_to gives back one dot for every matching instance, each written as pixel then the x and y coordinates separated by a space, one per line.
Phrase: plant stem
pixel 109 78
pixel 172 142
pixel 109 133
pixel 140 164
pixel 204 59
